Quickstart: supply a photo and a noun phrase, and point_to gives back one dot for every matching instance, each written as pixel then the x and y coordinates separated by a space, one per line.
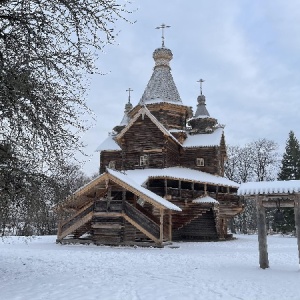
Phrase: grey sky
pixel 247 52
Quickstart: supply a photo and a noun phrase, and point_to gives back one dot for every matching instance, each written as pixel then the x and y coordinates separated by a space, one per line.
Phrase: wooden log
pixel 170 225
pixel 262 234
pixel 161 227
pixel 297 223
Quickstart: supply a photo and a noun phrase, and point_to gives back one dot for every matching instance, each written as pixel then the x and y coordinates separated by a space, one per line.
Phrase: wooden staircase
pixel 195 222
pixel 110 222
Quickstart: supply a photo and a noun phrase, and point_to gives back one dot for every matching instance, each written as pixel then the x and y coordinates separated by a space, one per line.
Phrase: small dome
pixel 162 56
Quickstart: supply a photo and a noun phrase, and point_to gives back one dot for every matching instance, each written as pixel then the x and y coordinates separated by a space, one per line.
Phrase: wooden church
pixel 161 174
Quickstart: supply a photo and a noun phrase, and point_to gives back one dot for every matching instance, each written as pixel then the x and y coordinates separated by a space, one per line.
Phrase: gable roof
pixel 204 139
pixel 152 197
pixel 123 180
pixel 145 111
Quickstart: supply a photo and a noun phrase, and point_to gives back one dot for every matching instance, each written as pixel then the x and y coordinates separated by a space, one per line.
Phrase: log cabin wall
pixel 143 138
pixel 210 155
pixel 172 153
pixel 107 156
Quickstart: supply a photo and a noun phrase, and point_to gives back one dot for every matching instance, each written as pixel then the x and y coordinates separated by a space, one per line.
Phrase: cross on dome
pixel 129 90
pixel 162 27
pixel 201 81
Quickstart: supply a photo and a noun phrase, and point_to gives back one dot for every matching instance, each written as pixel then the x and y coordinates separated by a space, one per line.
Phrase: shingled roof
pixel 161 86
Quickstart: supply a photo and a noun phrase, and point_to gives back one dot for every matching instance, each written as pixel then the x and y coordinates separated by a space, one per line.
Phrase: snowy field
pixel 40 269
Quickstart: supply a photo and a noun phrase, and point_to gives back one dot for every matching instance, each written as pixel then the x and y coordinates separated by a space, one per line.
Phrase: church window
pixel 200 162
pixel 112 164
pixel 144 160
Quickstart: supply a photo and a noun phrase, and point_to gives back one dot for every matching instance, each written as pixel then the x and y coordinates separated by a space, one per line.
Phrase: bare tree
pixel 256 161
pixel 47 50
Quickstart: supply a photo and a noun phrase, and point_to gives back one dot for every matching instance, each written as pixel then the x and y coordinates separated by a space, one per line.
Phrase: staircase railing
pixel 76 221
pixel 142 222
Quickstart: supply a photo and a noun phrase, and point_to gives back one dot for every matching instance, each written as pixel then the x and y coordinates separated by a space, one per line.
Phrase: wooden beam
pixel 161 227
pixel 297 223
pixel 166 186
pixel 179 187
pixel 274 204
pixel 262 234
pixel 170 225
pixel 108 214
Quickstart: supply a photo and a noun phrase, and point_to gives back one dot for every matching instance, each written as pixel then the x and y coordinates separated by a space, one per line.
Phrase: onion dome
pixel 161 86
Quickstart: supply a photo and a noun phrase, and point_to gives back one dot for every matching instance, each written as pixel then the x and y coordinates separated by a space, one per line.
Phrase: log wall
pixel 211 155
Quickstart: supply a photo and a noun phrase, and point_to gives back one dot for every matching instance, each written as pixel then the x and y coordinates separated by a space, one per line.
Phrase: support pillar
pixel 262 234
pixel 161 229
pixel 166 187
pixel 170 226
pixel 297 223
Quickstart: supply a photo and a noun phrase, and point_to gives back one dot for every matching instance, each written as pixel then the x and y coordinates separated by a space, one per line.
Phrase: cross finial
pixel 129 90
pixel 201 81
pixel 162 27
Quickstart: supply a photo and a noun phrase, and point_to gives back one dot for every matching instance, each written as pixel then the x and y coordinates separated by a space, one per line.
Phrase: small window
pixel 112 164
pixel 144 159
pixel 200 162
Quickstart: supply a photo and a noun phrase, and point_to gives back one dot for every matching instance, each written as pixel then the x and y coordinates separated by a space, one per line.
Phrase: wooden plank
pixel 262 234
pixel 297 223
pixel 108 214
pixel 108 226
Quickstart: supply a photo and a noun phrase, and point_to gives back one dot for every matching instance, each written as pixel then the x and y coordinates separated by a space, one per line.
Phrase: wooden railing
pixel 76 221
pixel 150 228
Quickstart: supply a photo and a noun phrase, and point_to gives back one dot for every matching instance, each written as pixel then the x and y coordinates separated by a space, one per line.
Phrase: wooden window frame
pixel 200 162
pixel 144 160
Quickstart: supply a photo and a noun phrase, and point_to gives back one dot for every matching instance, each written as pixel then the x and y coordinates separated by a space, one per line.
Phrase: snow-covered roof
pixel 109 144
pixel 125 120
pixel 269 187
pixel 204 139
pixel 179 173
pixel 205 199
pixel 131 182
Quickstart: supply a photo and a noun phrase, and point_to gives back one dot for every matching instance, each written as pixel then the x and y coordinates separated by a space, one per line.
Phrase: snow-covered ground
pixel 41 269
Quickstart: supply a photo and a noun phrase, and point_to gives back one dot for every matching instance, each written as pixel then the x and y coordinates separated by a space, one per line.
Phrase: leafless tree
pixel 47 51
pixel 256 161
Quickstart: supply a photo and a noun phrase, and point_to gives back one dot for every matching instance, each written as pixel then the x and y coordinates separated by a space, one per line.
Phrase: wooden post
pixel 221 226
pixel 262 234
pixel 193 189
pixel 161 229
pixel 166 187
pixel 297 222
pixel 123 198
pixel 179 187
pixel 170 225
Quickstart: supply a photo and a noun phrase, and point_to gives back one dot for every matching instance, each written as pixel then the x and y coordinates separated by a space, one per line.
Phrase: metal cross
pixel 201 81
pixel 162 27
pixel 129 90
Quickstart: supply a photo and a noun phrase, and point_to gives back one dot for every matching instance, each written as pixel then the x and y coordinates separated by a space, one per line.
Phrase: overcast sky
pixel 248 53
